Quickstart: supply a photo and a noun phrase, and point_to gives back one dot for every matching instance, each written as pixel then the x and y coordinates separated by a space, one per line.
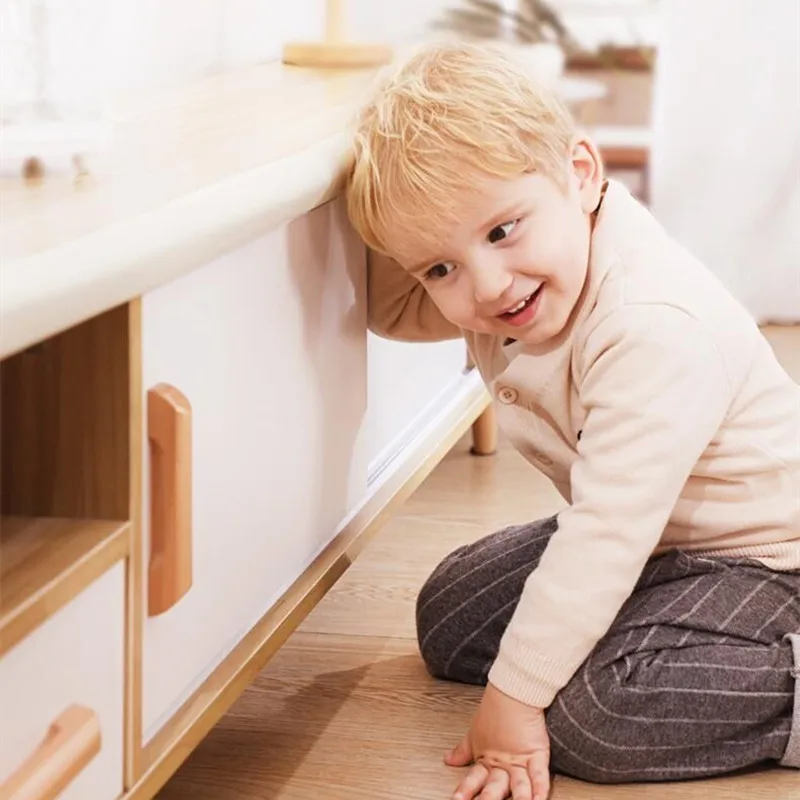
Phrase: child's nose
pixel 490 282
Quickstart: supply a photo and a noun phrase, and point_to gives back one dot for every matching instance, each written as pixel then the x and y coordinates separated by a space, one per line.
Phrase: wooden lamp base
pixel 336 55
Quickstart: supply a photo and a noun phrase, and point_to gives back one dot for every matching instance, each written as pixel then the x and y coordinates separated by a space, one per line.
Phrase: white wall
pixel 170 41
pixel 395 22
pixel 146 43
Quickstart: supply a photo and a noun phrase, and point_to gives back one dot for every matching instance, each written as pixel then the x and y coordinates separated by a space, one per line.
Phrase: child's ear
pixel 587 172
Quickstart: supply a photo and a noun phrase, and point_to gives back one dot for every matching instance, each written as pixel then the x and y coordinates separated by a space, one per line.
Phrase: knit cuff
pixel 529 677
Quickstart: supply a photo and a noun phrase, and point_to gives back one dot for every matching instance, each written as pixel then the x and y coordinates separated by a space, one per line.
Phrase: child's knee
pixel 439 630
pixel 446 627
pixel 434 623
pixel 465 604
pixel 445 654
pixel 434 592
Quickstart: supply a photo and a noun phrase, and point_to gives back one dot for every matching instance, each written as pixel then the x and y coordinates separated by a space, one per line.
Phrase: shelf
pixel 47 561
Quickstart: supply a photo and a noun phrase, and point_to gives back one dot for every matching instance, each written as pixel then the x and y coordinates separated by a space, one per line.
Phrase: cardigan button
pixel 507 395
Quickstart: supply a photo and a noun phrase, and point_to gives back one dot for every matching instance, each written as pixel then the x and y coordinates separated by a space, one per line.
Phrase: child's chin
pixel 543 331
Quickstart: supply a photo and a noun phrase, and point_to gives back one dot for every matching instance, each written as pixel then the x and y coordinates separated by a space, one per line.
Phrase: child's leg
pixel 696 676
pixel 466 604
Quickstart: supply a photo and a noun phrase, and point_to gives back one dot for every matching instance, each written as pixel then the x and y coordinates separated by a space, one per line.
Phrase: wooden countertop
pixel 192 173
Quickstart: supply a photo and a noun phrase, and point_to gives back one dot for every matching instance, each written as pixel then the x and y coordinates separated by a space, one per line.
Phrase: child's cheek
pixel 455 307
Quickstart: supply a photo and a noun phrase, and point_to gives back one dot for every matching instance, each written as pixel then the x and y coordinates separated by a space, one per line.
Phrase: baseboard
pixel 389 489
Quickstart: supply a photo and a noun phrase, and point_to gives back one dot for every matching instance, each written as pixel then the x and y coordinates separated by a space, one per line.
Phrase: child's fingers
pixel 497 787
pixel 471 786
pixel 521 788
pixel 461 755
pixel 539 771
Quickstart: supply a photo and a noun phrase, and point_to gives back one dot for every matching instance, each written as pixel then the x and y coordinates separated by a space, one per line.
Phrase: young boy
pixel 651 630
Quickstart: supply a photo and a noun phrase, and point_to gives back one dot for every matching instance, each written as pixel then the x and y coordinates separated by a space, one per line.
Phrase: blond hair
pixel 451 110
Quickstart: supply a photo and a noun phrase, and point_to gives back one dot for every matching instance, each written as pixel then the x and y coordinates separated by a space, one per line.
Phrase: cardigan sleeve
pixel 398 307
pixel 655 389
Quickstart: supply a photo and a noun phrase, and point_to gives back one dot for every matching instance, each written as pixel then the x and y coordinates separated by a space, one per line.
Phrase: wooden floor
pixel 345 711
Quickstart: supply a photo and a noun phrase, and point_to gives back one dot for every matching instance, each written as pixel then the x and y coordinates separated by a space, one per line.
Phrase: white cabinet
pixel 72 663
pixel 407 383
pixel 268 345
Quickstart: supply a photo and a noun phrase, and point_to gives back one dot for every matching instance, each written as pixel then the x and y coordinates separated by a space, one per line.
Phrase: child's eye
pixel 440 270
pixel 501 231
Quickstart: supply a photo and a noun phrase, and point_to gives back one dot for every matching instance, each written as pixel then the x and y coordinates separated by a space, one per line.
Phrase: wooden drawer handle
pixel 169 431
pixel 72 741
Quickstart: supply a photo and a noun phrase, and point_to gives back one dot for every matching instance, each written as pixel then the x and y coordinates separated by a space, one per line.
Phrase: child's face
pixel 515 262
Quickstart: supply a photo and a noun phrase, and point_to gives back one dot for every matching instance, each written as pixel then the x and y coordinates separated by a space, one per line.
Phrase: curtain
pixel 726 144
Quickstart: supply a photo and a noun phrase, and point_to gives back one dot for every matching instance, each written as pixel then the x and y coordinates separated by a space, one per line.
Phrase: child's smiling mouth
pixel 524 311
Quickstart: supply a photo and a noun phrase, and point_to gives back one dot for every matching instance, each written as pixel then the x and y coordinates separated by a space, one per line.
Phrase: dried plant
pixel 534 21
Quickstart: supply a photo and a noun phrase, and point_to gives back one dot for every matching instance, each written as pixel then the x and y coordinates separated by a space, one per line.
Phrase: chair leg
pixel 484 433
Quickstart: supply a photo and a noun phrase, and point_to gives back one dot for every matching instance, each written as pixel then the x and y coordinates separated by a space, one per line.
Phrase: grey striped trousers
pixel 697 676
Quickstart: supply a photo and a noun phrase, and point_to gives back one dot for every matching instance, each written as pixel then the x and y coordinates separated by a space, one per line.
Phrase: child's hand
pixel 509 745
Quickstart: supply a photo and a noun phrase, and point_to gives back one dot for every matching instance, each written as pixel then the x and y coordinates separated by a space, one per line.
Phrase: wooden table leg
pixel 484 433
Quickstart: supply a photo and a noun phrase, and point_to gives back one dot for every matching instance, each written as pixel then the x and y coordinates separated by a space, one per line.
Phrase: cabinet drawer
pixel 69 672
